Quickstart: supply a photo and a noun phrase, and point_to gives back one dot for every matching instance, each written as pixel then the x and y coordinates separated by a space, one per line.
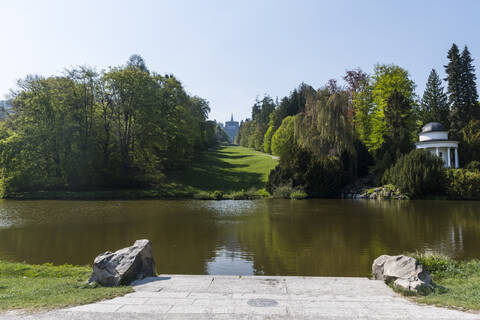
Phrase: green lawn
pixel 42 287
pixel 228 169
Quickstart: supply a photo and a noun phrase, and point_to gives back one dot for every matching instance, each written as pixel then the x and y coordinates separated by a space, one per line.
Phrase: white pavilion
pixel 434 138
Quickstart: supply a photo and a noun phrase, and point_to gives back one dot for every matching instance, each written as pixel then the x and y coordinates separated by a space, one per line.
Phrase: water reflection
pixel 271 237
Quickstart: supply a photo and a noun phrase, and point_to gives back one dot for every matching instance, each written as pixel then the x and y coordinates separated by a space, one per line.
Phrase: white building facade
pixel 434 138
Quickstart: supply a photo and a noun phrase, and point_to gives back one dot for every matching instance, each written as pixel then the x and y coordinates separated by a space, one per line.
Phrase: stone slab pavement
pixel 254 297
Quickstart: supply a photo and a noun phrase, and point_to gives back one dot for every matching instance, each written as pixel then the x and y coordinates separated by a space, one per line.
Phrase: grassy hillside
pixel 228 169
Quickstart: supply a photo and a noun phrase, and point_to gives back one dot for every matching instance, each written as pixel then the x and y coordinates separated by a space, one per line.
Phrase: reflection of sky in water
pixel 9 218
pixel 229 262
pixel 229 207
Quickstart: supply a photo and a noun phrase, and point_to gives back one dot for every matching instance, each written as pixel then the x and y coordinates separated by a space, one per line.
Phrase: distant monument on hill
pixel 231 128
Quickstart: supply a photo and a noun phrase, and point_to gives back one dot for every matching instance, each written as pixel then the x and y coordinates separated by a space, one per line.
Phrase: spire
pixel 231 118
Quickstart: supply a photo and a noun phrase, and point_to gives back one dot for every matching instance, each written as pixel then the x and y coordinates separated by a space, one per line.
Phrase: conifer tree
pixel 454 89
pixel 462 90
pixel 470 94
pixel 434 104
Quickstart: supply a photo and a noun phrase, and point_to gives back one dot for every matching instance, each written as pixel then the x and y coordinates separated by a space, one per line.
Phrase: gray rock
pixel 405 272
pixel 125 265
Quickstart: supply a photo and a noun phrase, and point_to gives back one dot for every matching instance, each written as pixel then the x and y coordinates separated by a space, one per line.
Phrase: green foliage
pixel 469 148
pixel 434 104
pixel 252 132
pixel 216 195
pixel 286 191
pixel 398 135
pixel 318 154
pixel 282 192
pixel 325 178
pixel 462 90
pixel 363 106
pixel 320 178
pixel 202 195
pixel 463 184
pixel 267 117
pixel 283 139
pixel 371 101
pixel 473 166
pixel 438 264
pixel 249 194
pixel 122 128
pixel 33 287
pixel 267 141
pixel 324 129
pixel 298 195
pixel 365 159
pixel 418 173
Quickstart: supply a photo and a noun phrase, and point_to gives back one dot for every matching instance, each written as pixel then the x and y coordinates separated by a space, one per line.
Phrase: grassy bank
pixel 234 171
pixel 458 282
pixel 34 287
pixel 228 169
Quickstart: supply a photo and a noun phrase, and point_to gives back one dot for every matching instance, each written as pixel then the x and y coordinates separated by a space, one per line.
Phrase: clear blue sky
pixel 229 52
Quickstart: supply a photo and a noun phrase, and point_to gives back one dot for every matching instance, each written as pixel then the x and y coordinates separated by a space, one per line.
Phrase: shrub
pixel 435 262
pixel 325 178
pixel 216 195
pixel 250 194
pixel 279 176
pixel 473 166
pixel 418 173
pixel 298 195
pixel 321 178
pixel 283 191
pixel 202 195
pixel 463 184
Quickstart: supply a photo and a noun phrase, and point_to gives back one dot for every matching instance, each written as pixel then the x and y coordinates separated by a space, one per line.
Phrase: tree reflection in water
pixel 271 237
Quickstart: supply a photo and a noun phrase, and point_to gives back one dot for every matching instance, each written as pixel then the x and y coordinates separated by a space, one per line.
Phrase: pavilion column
pixel 436 151
pixel 456 158
pixel 449 163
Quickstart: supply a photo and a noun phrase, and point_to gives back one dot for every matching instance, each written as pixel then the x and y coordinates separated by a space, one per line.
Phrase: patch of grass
pixel 458 282
pixel 43 287
pixel 229 169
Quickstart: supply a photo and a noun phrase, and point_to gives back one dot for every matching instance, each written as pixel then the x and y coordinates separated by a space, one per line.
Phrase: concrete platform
pixel 254 297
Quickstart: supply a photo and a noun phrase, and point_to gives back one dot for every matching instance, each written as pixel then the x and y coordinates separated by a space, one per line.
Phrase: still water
pixel 264 237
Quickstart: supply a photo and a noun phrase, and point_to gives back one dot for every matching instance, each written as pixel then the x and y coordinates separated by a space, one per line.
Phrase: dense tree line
pixel 329 137
pixel 124 127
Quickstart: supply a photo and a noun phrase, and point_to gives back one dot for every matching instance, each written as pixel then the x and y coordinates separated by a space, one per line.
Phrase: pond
pixel 262 237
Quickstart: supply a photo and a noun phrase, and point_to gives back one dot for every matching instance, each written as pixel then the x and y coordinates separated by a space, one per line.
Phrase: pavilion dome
pixel 433 126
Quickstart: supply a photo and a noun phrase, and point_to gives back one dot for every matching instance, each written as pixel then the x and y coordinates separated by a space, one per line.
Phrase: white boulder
pixel 405 272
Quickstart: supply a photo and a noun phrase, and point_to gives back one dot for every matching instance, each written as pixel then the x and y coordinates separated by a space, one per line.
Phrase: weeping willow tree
pixel 324 129
pixel 323 157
